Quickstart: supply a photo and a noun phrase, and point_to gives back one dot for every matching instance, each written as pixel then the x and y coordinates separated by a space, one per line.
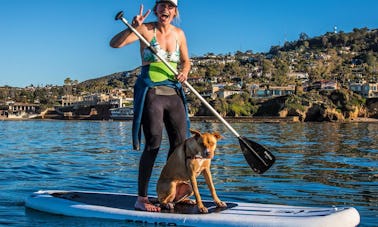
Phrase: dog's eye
pixel 209 143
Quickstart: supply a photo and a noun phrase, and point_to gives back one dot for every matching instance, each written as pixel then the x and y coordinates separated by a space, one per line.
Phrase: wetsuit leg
pixel 152 121
pixel 159 110
pixel 175 122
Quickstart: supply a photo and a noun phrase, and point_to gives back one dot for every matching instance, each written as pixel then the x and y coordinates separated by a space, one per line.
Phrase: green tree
pixel 267 66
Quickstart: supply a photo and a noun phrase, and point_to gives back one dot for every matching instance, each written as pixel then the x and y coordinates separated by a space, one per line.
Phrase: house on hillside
pixel 322 85
pixel 356 87
pixel 67 100
pixel 299 75
pixel 365 89
pixel 370 90
pixel 119 102
pixel 226 93
pixel 19 110
pixel 272 91
pixel 282 90
pixel 217 87
pixel 213 59
pixel 329 85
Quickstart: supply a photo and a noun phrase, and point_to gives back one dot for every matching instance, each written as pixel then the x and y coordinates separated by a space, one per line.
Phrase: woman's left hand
pixel 182 77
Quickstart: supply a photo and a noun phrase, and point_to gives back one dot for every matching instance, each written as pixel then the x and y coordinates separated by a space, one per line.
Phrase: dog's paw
pixel 220 204
pixel 167 206
pixel 203 210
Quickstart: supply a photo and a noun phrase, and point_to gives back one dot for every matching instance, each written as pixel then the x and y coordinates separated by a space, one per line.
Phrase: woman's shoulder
pixel 178 30
pixel 147 29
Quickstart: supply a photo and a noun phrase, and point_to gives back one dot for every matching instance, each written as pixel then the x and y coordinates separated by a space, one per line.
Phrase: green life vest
pixel 159 72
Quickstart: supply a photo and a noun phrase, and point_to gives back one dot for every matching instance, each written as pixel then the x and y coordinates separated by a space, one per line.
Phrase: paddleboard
pixel 119 206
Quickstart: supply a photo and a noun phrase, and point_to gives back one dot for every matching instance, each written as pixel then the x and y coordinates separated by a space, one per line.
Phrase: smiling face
pixel 165 12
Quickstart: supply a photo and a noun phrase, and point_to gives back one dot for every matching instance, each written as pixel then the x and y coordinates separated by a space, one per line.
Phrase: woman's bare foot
pixel 144 204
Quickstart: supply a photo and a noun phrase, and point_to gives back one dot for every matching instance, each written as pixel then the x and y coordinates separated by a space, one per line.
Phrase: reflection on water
pixel 318 164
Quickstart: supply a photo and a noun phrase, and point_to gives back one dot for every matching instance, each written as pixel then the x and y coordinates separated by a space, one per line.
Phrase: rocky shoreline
pixel 364 119
pixel 274 119
pixel 264 119
pixel 204 119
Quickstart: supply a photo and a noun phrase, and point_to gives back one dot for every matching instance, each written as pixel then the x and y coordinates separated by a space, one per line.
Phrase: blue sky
pixel 45 41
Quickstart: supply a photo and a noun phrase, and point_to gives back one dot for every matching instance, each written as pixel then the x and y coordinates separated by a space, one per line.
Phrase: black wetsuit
pixel 160 110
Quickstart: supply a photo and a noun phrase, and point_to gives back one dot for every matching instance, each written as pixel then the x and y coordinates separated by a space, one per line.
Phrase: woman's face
pixel 165 12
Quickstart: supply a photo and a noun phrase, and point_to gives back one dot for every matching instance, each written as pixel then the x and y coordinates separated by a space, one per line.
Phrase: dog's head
pixel 205 144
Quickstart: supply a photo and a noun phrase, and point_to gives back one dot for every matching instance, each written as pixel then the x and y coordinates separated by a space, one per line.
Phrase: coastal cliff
pixel 325 106
pixel 336 105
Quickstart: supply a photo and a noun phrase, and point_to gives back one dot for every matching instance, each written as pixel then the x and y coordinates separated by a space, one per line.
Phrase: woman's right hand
pixel 139 19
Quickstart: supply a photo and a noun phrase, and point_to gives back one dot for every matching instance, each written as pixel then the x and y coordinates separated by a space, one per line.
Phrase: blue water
pixel 318 164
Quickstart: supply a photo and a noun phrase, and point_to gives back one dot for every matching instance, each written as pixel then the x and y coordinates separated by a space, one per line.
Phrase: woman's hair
pixel 176 17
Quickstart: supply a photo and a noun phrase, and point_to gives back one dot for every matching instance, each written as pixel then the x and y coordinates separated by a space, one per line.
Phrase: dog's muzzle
pixel 206 153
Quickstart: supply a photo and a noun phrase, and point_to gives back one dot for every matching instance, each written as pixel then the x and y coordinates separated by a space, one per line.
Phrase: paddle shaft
pixel 120 17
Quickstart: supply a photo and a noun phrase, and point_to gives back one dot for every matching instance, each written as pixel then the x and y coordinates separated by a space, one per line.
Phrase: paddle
pixel 257 156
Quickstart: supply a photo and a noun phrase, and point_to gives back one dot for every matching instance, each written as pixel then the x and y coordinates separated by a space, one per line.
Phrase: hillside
pixel 342 57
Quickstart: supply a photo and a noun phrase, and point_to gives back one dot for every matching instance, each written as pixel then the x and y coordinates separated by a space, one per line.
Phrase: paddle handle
pixel 119 16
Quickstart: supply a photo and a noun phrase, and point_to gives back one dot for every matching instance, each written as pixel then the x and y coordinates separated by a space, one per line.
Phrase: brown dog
pixel 178 179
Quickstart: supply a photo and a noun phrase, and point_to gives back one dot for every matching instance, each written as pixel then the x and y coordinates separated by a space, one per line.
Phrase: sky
pixel 43 42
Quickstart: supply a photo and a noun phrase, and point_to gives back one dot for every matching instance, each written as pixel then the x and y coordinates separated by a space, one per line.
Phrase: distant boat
pixel 122 113
pixel 23 115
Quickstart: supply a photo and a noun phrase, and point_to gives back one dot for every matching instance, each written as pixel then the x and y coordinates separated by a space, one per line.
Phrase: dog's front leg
pixel 166 193
pixel 210 184
pixel 200 205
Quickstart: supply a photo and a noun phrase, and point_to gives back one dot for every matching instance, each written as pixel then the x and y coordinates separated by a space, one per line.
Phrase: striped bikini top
pixel 149 56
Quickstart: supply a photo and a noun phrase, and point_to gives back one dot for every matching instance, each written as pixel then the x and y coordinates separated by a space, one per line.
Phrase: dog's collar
pixel 194 157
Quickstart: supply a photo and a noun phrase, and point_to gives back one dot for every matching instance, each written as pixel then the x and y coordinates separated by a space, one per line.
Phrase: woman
pixel 158 96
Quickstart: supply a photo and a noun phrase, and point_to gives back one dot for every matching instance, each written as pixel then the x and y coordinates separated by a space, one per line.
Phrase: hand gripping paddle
pixel 258 157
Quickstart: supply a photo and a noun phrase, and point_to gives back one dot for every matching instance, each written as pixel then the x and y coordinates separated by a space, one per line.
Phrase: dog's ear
pixel 217 135
pixel 195 132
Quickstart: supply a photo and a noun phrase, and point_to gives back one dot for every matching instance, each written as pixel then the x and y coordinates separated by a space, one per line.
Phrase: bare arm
pixel 185 61
pixel 123 38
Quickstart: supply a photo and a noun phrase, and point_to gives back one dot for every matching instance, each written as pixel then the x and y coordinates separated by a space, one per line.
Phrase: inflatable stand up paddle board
pixel 118 206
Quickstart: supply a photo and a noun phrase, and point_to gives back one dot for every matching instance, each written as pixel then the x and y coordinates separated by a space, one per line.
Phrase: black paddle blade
pixel 257 156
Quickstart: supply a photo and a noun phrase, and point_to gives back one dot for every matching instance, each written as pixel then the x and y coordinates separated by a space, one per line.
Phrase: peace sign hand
pixel 139 19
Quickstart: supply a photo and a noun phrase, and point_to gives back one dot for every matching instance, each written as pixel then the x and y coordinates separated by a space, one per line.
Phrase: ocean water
pixel 318 164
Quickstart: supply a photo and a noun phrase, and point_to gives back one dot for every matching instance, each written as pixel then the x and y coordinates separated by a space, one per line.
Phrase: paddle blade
pixel 257 156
